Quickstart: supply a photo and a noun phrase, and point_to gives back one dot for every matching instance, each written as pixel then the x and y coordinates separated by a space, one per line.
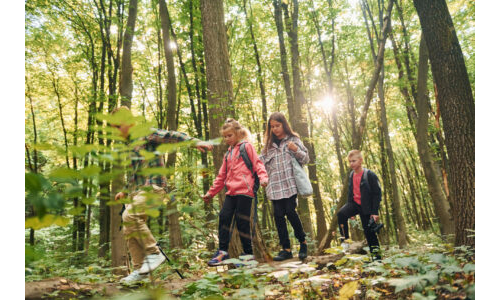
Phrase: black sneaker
pixel 283 255
pixel 303 251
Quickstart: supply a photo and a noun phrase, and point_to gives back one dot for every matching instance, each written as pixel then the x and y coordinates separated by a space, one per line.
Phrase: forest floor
pixel 422 273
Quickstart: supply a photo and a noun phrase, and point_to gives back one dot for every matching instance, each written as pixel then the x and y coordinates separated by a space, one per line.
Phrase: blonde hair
pixel 241 132
pixel 356 153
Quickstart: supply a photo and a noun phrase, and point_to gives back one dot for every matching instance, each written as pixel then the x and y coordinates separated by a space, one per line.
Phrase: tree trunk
pixel 278 19
pixel 441 204
pixel 126 84
pixel 219 82
pixel 299 123
pixel 118 247
pixel 260 77
pixel 173 217
pixel 456 102
pixel 357 141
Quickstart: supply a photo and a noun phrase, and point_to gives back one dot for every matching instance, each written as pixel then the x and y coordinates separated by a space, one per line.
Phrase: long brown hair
pixel 269 135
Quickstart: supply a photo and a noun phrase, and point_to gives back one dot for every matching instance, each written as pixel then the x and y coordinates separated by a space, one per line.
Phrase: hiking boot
pixel 219 256
pixel 133 277
pixel 283 255
pixel 375 253
pixel 303 251
pixel 151 262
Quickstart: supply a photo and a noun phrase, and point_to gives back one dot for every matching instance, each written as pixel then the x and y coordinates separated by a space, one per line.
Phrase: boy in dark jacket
pixel 363 198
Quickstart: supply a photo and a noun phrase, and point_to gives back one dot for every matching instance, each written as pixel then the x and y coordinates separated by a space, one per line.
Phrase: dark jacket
pixel 370 197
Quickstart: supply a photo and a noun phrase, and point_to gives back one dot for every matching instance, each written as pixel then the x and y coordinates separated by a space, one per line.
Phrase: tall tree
pixel 441 204
pixel 456 102
pixel 219 81
pixel 173 217
pixel 360 128
pixel 118 248
pixel 397 211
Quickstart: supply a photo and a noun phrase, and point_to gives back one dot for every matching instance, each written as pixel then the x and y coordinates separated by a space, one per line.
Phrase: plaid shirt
pixel 278 163
pixel 148 148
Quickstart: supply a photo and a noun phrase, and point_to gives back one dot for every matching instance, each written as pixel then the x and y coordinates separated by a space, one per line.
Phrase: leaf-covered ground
pixel 421 271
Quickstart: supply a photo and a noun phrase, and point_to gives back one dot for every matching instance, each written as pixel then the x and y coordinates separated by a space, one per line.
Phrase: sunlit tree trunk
pixel 357 141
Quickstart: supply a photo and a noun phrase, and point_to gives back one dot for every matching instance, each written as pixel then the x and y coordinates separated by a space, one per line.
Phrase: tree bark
pixel 441 204
pixel 173 217
pixel 357 141
pixel 119 257
pixel 456 102
pixel 219 82
pixel 126 84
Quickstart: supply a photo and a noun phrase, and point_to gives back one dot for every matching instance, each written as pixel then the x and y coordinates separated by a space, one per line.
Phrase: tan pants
pixel 140 240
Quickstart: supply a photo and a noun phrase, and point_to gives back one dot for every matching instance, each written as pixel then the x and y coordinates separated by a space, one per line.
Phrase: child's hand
pixel 202 146
pixel 206 198
pixel 292 146
pixel 264 183
pixel 119 196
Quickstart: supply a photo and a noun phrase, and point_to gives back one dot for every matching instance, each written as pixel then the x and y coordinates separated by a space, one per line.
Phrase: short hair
pixel 231 124
pixel 356 153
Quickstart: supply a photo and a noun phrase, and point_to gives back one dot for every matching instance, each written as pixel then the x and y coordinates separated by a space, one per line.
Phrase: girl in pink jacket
pixel 238 180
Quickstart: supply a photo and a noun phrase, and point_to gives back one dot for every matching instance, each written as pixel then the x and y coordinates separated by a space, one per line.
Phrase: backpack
pixel 248 163
pixel 365 177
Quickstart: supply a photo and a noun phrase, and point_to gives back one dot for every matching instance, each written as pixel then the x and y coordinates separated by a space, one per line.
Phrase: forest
pixel 394 79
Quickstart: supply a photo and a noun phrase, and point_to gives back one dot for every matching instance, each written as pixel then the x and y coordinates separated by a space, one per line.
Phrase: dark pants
pixel 349 210
pixel 286 207
pixel 240 208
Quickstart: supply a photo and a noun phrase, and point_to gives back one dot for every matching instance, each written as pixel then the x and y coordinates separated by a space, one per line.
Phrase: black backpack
pixel 248 163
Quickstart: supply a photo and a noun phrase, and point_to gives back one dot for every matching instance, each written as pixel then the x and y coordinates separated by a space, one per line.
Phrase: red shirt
pixel 356 182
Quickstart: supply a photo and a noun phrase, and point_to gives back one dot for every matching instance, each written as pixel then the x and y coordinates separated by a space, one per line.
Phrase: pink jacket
pixel 238 179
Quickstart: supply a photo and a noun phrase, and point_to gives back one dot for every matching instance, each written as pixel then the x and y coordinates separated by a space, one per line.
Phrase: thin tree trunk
pixel 357 141
pixel 173 217
pixel 441 204
pixel 118 248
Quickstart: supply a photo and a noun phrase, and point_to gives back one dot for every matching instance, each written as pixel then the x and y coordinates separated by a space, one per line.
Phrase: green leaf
pixel 46 221
pixel 468 268
pixel 438 258
pixel 91 170
pixel 140 130
pixel 410 262
pixel 76 210
pixel 188 209
pixel 418 296
pixel 154 213
pixel 64 173
pixel 88 201
pixel 32 182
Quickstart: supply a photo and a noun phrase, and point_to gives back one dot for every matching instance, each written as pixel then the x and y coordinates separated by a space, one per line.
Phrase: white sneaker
pixel 133 277
pixel 151 262
pixel 345 247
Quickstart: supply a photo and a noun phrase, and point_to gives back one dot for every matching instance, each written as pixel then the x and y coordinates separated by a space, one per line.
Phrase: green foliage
pixel 206 287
